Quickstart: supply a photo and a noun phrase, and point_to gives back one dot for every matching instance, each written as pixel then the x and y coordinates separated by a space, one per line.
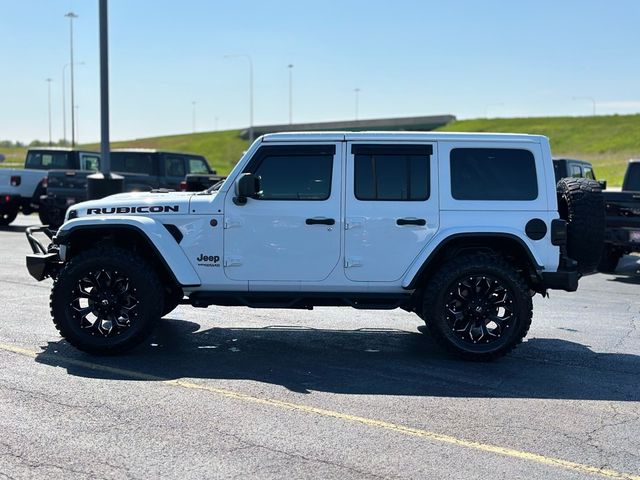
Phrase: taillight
pixel 45 182
pixel 183 186
pixel 15 180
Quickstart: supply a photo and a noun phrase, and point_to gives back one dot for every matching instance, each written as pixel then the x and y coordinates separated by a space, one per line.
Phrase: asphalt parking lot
pixel 332 393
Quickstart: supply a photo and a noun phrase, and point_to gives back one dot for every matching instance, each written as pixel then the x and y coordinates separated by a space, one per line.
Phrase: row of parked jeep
pixel 53 179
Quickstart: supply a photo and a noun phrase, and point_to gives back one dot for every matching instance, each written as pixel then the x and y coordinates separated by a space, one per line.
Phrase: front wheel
pixel 106 300
pixel 478 307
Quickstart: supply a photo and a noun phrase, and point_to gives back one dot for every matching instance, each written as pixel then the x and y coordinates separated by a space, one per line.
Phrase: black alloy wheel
pixel 105 302
pixel 479 309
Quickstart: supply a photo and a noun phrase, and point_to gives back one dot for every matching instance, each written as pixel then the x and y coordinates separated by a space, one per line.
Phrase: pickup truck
pixel 143 170
pixel 21 189
pixel 571 167
pixel 622 235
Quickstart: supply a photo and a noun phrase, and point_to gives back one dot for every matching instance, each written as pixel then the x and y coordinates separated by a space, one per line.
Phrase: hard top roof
pixel 399 136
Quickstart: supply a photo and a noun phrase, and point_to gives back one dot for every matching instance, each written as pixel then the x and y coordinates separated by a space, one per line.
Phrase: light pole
pixel 591 99
pixel 64 102
pixel 71 16
pixel 77 108
pixel 48 80
pixel 193 115
pixel 290 67
pixel 248 58
pixel 357 92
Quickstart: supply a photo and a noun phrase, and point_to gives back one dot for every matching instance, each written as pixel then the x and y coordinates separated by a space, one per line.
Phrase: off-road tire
pixel 438 293
pixel 609 260
pixel 145 289
pixel 172 299
pixel 7 217
pixel 581 204
pixel 43 216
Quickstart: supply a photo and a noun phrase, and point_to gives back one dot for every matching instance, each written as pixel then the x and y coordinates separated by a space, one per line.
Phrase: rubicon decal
pixel 140 209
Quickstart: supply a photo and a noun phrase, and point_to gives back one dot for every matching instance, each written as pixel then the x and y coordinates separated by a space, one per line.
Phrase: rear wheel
pixel 609 260
pixel 478 307
pixel 106 300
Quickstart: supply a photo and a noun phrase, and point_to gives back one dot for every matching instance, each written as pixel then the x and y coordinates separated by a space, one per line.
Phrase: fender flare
pixel 440 242
pixel 160 239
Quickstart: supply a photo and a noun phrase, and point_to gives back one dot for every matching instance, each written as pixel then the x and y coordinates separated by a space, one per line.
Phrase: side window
pixel 174 166
pixel 576 171
pixel 493 174
pixel 392 172
pixel 588 173
pixel 132 162
pixel 89 162
pixel 294 173
pixel 197 165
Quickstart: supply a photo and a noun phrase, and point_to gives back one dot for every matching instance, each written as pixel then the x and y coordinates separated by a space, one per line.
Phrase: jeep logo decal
pixel 140 209
pixel 208 260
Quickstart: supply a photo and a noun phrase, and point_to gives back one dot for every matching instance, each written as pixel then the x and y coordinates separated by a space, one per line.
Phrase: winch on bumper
pixel 44 262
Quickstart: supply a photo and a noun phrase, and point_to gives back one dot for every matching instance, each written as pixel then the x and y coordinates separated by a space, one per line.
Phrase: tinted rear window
pixel 493 174
pixel 391 172
pixel 49 161
pixel 135 162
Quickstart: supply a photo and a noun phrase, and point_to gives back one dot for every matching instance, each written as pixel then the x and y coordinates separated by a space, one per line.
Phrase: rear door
pixel 391 207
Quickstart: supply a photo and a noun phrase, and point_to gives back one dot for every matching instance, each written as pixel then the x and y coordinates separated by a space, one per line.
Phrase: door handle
pixel 320 221
pixel 411 221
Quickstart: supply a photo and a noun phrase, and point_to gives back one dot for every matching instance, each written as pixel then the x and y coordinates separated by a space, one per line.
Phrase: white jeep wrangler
pixel 462 229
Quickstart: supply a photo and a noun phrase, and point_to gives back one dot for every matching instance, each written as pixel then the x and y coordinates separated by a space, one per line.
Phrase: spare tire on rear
pixel 581 204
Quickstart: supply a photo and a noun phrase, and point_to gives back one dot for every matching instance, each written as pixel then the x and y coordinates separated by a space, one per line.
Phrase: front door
pixel 391 208
pixel 290 232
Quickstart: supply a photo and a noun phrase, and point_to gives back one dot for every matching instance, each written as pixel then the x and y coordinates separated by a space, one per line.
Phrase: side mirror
pixel 603 184
pixel 247 186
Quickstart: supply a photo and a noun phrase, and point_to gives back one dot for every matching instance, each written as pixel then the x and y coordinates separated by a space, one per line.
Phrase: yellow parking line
pixel 414 432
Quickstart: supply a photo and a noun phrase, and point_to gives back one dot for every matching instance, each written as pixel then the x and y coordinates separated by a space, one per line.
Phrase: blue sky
pixel 469 58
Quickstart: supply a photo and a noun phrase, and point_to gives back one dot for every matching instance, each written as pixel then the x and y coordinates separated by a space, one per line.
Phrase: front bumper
pixel 44 262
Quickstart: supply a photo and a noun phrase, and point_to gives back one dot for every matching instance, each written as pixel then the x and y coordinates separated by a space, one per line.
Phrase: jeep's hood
pixel 136 203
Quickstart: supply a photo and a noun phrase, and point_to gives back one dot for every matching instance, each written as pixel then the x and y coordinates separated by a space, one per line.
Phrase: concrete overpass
pixel 400 124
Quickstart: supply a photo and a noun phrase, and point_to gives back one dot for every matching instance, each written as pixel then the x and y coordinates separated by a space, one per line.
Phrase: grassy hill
pixel 607 141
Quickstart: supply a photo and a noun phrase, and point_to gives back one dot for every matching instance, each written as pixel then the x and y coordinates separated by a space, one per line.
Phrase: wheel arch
pixel 509 245
pixel 144 235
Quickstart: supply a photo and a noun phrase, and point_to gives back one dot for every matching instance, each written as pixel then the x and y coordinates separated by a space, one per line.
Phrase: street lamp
pixel 591 99
pixel 248 58
pixel 290 67
pixel 64 102
pixel 77 109
pixel 193 115
pixel 71 16
pixel 48 80
pixel 357 92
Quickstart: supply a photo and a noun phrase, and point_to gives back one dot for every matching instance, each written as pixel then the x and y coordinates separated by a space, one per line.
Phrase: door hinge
pixel 232 261
pixel 353 222
pixel 232 222
pixel 352 262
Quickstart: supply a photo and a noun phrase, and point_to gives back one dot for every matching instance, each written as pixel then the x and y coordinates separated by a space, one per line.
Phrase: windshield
pixel 48 160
